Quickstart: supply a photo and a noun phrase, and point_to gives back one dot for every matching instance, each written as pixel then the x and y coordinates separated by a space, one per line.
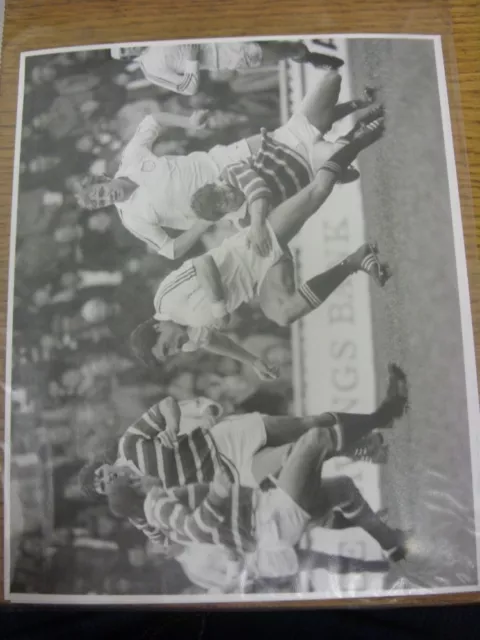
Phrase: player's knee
pixel 284 315
pixel 331 86
pixel 281 318
pixel 333 77
pixel 319 439
pixel 274 311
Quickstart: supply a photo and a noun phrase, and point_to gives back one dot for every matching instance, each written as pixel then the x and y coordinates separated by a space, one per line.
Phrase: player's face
pixel 171 338
pixel 231 199
pixel 105 194
pixel 105 475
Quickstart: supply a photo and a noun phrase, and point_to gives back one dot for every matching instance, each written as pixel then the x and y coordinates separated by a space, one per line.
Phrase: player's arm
pixel 145 135
pixel 170 410
pixel 159 240
pixel 154 534
pixel 254 143
pixel 259 237
pixel 188 239
pixel 209 279
pixel 169 512
pixel 258 197
pixel 186 84
pixel 166 78
pixel 150 426
pixel 222 345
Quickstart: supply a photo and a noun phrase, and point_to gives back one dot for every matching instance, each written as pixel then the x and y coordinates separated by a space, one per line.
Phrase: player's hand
pixel 143 484
pixel 264 371
pixel 259 239
pixel 222 485
pixel 199 119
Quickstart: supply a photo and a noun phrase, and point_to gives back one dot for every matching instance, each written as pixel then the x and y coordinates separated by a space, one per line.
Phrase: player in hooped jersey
pixel 193 303
pixel 153 194
pixel 184 443
pixel 261 527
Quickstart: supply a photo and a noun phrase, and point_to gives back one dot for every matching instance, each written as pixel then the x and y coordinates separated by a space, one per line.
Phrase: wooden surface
pixel 36 24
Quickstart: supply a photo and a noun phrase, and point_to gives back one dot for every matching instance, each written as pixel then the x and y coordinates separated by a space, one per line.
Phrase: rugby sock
pixel 342 158
pixel 358 513
pixel 317 289
pixel 352 427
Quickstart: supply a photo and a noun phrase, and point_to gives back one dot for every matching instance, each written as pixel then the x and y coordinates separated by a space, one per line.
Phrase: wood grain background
pixel 36 24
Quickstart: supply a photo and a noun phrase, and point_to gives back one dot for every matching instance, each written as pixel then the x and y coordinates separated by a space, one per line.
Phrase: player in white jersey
pixel 193 303
pixel 177 67
pixel 154 193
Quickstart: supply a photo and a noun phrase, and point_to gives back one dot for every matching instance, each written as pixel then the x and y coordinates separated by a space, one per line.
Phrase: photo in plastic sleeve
pixel 240 361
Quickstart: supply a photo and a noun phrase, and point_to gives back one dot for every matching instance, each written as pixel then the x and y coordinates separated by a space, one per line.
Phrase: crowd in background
pixel 82 283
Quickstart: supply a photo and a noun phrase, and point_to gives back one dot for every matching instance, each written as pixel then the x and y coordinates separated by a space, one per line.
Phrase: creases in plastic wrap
pixel 295 421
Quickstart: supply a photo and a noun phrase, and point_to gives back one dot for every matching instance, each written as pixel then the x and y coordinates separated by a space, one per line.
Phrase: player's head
pixel 93 479
pixel 216 199
pixel 96 477
pixel 155 340
pixel 124 500
pixel 97 192
pixel 126 53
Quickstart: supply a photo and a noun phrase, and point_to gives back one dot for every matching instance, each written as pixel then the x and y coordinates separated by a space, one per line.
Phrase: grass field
pixel 427 484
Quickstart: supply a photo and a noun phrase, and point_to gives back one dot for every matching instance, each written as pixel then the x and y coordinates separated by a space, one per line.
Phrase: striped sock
pixel 354 508
pixel 342 158
pixel 317 289
pixel 359 514
pixel 369 262
pixel 350 428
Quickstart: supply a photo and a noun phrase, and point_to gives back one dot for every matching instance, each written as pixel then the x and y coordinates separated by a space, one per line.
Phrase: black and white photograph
pixel 240 359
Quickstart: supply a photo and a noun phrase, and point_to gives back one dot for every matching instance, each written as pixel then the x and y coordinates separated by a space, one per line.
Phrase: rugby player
pixel 193 303
pixel 153 194
pixel 161 445
pixel 177 67
pixel 262 527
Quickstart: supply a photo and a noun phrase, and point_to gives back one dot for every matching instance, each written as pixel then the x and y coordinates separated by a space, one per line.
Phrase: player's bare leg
pixel 300 476
pixel 289 217
pixel 320 105
pixel 347 430
pixel 270 459
pixel 305 463
pixel 282 303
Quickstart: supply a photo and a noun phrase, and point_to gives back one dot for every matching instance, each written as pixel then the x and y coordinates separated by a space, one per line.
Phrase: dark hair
pixel 142 341
pixel 86 479
pixel 123 500
pixel 207 202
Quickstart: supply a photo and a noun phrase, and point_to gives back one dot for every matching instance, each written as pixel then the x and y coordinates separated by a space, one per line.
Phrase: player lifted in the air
pixel 177 67
pixel 285 163
pixel 193 303
pixel 153 194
